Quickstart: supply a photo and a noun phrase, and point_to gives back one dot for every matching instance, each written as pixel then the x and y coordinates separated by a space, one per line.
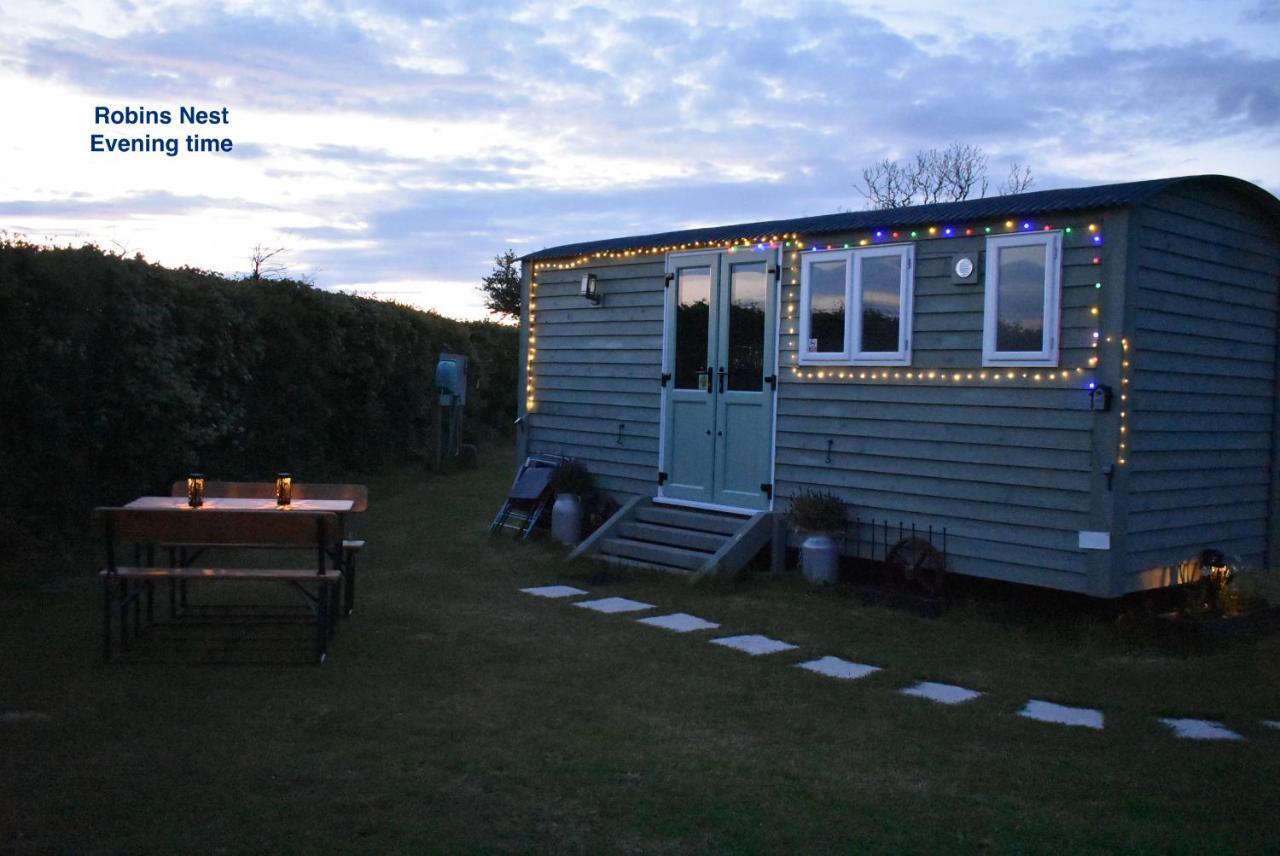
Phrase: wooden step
pixel 653 554
pixel 687 539
pixel 683 518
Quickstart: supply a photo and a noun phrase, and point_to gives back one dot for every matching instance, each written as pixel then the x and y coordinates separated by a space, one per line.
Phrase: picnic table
pixel 311 496
pixel 247 517
pixel 126 587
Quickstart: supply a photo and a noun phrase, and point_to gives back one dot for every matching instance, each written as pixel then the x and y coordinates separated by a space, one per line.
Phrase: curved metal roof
pixel 1040 202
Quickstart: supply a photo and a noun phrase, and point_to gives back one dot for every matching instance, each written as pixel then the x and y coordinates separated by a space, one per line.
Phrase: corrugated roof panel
pixel 1032 204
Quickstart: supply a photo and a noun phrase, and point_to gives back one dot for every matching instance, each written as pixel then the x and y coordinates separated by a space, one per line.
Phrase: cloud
pixel 403 141
pixel 1264 12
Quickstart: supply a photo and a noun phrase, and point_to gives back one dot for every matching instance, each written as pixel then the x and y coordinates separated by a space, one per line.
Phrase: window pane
pixel 826 307
pixel 693 306
pixel 1020 299
pixel 881 303
pixel 746 326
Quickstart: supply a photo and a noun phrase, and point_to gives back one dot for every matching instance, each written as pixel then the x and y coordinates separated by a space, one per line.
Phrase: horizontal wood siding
pixel 1004 466
pixel 1204 375
pixel 595 371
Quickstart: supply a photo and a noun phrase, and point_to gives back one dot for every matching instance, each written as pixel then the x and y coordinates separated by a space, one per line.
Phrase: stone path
pixel 941 693
pixel 1047 711
pixel 754 645
pixel 679 622
pixel 1201 729
pixel 610 605
pixel 839 669
pixel 834 667
pixel 553 591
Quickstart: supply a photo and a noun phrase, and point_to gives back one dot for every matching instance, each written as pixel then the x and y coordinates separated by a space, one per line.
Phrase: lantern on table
pixel 195 490
pixel 284 489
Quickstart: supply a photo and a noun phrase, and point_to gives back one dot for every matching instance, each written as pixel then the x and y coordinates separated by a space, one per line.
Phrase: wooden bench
pixel 125 585
pixel 358 494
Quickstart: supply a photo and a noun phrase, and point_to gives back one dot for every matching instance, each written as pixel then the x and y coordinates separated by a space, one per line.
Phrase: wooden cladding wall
pixel 596 371
pixel 1204 380
pixel 1005 466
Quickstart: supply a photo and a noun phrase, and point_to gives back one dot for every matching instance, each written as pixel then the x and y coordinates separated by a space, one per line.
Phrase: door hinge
pixel 767 489
pixel 772 380
pixel 668 280
pixel 662 381
pixel 662 477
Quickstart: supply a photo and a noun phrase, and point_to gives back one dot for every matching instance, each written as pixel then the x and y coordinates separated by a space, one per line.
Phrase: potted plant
pixel 572 483
pixel 819 515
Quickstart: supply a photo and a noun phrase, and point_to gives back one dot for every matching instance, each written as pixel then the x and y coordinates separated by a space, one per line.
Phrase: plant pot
pixel 566 519
pixel 820 559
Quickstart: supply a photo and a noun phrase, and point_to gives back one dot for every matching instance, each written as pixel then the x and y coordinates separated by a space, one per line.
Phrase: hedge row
pixel 117 376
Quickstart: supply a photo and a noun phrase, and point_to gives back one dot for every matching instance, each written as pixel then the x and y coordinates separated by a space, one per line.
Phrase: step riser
pixel 681 519
pixel 654 553
pixel 684 539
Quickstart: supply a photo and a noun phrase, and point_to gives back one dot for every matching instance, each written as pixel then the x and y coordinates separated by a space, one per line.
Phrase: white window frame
pixel 819 358
pixel 1047 356
pixel 901 356
pixel 853 353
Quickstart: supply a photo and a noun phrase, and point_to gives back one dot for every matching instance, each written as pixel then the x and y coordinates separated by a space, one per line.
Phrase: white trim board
pixel 704 506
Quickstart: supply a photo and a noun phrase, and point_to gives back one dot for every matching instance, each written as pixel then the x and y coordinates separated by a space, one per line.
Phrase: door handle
pixel 711 373
pixel 721 375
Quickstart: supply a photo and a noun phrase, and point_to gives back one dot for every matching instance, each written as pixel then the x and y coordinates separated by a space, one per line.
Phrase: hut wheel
pixel 917 563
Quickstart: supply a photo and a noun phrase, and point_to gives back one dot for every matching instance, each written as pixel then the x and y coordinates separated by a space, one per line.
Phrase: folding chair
pixel 529 498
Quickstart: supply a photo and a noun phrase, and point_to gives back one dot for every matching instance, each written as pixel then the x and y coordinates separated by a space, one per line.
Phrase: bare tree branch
pixel 957 172
pixel 260 257
pixel 1019 180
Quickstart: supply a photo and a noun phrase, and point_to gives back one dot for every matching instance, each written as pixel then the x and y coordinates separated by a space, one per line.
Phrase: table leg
pixel 106 619
pixel 322 621
pixel 124 615
pixel 349 581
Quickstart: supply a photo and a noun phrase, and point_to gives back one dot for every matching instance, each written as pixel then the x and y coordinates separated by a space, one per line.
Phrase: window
pixel 824 290
pixel 1021 313
pixel 693 308
pixel 855 306
pixel 882 305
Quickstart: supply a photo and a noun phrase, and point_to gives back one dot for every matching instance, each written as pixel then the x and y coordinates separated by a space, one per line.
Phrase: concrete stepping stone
pixel 553 591
pixel 1061 714
pixel 754 644
pixel 834 667
pixel 941 693
pixel 610 605
pixel 680 622
pixel 1200 729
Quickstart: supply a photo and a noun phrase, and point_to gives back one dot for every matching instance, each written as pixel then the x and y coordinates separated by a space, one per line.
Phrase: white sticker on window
pixel 813 346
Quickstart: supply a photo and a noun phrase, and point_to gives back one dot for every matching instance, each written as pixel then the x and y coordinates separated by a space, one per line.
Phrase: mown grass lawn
pixel 456 714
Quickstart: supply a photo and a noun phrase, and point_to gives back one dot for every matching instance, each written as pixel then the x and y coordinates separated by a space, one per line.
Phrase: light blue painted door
pixel 720 359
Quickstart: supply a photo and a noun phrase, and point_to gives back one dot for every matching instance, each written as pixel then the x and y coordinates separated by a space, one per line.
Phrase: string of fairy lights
pixel 792 244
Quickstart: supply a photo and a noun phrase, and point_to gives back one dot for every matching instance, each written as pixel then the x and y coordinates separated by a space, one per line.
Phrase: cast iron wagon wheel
pixel 917 563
